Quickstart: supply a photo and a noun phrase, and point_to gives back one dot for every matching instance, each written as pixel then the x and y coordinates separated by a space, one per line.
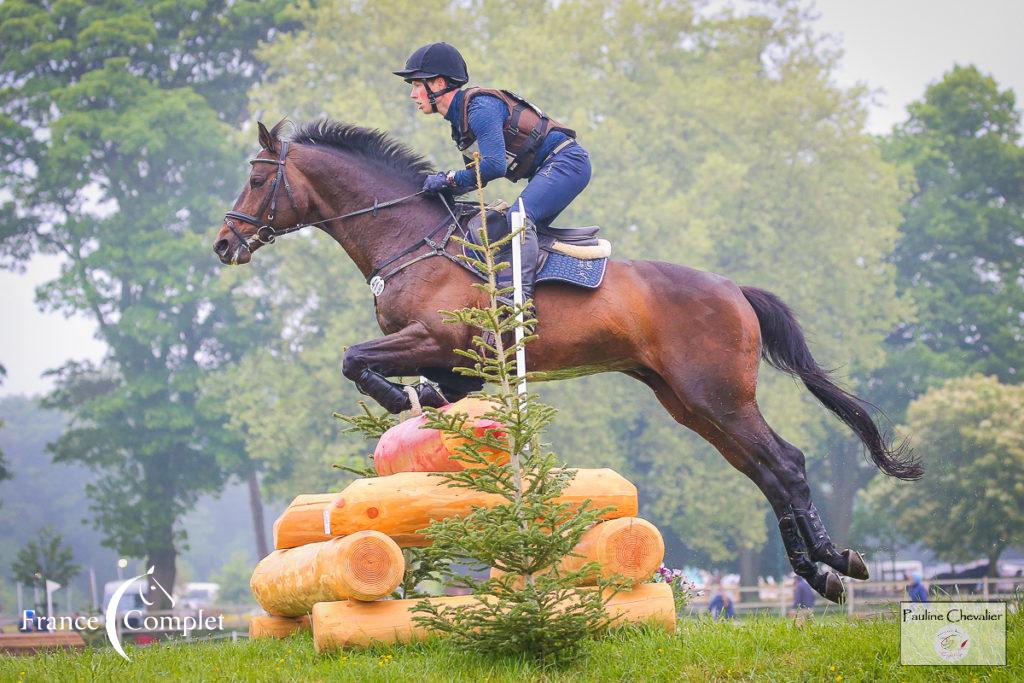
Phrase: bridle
pixel 267 233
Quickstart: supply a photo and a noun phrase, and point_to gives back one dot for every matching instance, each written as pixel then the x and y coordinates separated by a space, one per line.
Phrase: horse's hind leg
pixel 754 457
pixel 804 516
pixel 786 462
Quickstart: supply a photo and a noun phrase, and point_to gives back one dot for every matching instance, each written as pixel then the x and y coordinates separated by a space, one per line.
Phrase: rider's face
pixel 419 94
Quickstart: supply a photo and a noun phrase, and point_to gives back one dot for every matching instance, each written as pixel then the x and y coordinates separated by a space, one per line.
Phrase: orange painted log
pixel 409 447
pixel 303 520
pixel 630 547
pixel 363 566
pixel 402 504
pixel 359 624
pixel 269 626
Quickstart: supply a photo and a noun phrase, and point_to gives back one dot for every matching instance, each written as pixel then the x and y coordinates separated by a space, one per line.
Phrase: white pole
pixel 21 602
pixel 49 601
pixel 518 222
pixel 92 589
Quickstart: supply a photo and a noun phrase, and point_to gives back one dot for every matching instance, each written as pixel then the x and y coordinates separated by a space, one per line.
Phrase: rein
pixel 267 234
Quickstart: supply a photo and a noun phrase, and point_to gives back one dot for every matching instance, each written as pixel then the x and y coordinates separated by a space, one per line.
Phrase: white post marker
pixel 51 586
pixel 518 222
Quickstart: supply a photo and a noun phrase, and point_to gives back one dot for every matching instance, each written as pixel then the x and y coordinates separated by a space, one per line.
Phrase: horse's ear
pixel 268 140
pixel 275 132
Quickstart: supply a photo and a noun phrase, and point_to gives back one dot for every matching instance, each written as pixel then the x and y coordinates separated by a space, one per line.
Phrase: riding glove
pixel 435 183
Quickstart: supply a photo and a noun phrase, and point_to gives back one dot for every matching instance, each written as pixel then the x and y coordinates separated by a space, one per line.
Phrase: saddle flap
pixel 496 222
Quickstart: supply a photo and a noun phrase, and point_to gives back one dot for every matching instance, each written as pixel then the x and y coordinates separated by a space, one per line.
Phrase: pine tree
pixel 530 607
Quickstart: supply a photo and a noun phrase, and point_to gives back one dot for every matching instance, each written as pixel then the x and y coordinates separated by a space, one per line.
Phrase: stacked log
pixel 338 554
pixel 364 566
pixel 629 547
pixel 400 505
pixel 269 626
pixel 349 623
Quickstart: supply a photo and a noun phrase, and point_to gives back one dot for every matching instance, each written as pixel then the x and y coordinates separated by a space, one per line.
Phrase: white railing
pixel 863 597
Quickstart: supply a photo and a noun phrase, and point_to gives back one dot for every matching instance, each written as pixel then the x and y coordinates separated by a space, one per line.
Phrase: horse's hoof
pixel 429 396
pixel 834 588
pixel 855 567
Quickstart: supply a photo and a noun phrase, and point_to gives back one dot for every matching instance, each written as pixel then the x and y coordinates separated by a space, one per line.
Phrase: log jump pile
pixel 339 556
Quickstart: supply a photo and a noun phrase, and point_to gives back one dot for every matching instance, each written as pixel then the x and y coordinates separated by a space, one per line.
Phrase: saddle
pixel 575 256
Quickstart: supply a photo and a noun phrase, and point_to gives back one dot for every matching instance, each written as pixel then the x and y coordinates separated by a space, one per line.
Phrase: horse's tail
pixel 784 347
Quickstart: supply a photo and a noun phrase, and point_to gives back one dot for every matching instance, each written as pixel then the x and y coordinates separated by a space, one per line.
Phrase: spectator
pixel 27 622
pixel 803 594
pixel 917 591
pixel 721 605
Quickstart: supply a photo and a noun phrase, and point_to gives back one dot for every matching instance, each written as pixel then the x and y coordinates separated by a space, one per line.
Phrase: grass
pixel 762 648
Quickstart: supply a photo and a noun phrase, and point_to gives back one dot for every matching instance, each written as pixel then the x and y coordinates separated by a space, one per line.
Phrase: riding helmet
pixel 436 59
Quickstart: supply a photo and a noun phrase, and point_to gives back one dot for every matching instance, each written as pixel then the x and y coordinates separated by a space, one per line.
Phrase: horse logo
pixel 115 599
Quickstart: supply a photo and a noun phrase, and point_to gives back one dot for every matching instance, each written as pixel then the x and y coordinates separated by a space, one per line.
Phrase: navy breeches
pixel 556 183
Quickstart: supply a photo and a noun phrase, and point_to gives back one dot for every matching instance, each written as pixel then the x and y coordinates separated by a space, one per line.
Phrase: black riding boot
pixel 530 251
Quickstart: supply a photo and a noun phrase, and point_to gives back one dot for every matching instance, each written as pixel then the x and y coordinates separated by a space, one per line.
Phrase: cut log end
pixel 637 549
pixel 374 566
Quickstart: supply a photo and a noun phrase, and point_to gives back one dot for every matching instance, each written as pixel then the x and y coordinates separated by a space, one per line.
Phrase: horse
pixel 696 339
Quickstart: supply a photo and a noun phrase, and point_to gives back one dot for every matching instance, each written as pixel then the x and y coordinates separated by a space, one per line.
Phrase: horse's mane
pixel 369 143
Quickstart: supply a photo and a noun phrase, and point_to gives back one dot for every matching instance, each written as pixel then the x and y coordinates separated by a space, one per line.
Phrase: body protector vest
pixel 524 130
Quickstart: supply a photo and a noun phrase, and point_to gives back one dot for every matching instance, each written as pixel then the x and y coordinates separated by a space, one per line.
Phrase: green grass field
pixel 762 649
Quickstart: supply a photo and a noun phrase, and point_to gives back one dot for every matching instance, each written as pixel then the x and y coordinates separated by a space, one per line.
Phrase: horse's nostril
pixel 221 247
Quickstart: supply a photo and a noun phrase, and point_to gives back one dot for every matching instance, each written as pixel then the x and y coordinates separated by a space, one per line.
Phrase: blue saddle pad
pixel 587 273
pixel 574 271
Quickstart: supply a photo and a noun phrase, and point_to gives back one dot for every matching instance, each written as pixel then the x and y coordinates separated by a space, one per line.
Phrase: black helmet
pixel 436 59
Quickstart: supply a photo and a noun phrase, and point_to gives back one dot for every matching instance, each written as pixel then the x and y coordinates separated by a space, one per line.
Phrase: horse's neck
pixel 369 239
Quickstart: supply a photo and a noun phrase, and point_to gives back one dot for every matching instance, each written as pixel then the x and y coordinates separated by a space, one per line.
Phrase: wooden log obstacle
pixel 338 555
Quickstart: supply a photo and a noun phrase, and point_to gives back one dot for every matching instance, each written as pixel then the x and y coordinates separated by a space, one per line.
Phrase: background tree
pixel 116 122
pixel 233 578
pixel 45 559
pixel 971 501
pixel 718 141
pixel 961 249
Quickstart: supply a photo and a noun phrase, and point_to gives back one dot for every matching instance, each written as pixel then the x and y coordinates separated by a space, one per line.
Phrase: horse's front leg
pixel 370 363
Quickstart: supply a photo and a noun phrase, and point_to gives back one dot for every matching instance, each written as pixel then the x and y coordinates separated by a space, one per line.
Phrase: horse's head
pixel 267 205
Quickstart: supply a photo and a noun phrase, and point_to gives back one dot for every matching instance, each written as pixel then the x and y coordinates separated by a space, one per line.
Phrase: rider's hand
pixel 436 183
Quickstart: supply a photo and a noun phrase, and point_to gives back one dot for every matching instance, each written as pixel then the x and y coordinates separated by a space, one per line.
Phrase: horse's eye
pixel 256 182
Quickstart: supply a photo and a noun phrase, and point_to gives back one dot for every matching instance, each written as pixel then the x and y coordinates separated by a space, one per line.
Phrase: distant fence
pixel 863 597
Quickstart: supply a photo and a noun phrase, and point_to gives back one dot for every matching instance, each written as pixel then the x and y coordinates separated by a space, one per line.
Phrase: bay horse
pixel 695 338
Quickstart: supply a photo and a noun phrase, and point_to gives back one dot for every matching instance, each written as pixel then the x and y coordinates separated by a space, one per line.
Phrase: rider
pixel 516 140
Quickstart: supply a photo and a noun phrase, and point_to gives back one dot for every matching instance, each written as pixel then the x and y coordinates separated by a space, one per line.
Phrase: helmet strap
pixel 433 95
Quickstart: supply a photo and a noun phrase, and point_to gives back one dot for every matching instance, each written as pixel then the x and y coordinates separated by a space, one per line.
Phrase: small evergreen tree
pixel 531 608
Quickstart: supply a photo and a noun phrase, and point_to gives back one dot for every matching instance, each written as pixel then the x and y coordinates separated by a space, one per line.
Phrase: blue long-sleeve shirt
pixel 487 116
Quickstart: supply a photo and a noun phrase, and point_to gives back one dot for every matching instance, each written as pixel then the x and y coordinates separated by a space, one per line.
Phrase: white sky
pixel 896 47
